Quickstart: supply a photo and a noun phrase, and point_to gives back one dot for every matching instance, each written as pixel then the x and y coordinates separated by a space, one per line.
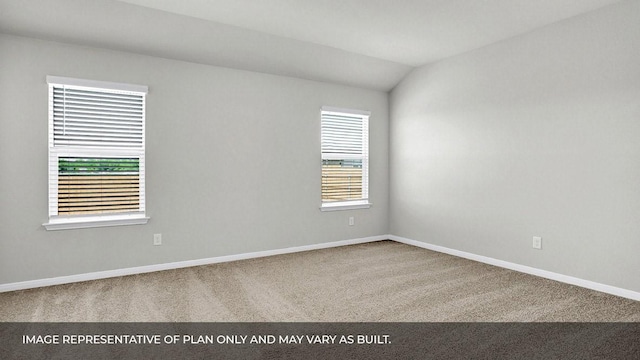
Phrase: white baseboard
pixel 221 259
pixel 524 269
pixel 179 264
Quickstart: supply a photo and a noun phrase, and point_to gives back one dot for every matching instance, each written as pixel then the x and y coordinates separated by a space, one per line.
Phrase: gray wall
pixel 538 135
pixel 233 163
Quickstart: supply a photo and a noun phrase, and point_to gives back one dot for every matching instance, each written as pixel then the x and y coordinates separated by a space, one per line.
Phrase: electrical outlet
pixel 352 221
pixel 157 239
pixel 537 242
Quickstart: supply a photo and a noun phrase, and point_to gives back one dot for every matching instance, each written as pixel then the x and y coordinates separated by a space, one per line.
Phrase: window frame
pixel 62 222
pixel 364 201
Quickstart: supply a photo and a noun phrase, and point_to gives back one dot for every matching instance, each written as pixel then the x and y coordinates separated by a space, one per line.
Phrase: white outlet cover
pixel 537 242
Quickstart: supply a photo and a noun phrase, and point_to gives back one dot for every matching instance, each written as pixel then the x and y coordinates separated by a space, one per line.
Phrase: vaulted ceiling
pixel 364 43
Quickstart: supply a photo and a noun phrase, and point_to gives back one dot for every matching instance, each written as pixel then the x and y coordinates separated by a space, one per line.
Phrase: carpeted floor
pixel 382 281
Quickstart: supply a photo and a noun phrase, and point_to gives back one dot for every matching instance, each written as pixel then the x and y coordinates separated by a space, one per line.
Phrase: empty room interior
pixel 236 160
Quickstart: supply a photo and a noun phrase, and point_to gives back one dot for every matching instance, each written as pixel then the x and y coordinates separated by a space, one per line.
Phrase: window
pixel 96 153
pixel 345 159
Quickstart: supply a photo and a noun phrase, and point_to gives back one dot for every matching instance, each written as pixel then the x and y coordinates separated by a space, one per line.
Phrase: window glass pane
pixel 98 185
pixel 341 180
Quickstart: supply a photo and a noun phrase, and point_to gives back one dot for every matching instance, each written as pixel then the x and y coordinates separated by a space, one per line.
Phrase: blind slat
pixel 100 93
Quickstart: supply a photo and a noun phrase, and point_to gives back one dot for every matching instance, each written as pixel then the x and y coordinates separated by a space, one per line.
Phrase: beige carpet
pixel 382 281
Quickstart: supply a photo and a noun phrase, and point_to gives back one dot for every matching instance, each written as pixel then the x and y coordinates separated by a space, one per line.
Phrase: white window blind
pixel 97 118
pixel 96 153
pixel 345 157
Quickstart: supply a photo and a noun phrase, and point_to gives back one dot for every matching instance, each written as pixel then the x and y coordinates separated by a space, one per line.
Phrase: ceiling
pixel 365 43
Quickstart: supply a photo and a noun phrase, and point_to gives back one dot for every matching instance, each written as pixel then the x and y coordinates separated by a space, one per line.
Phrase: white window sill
pixel 95 221
pixel 345 205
